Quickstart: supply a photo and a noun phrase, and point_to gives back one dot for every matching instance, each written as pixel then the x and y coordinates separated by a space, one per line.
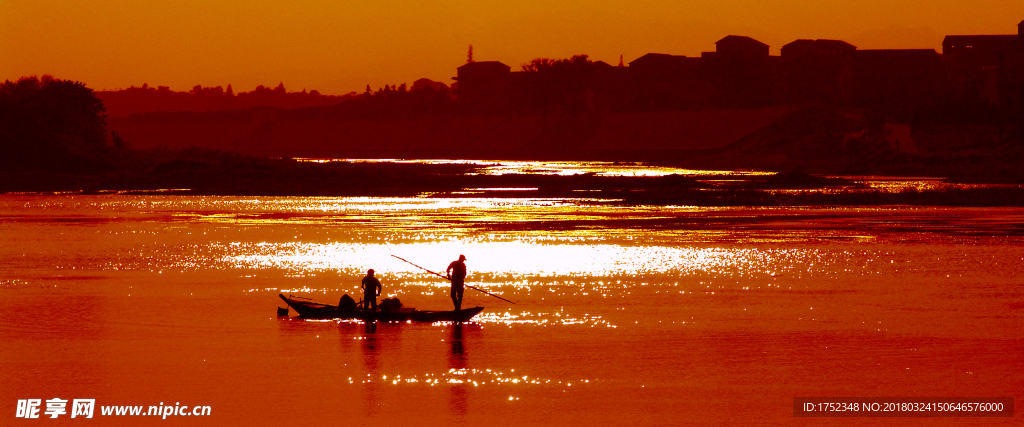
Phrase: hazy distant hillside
pixel 327 133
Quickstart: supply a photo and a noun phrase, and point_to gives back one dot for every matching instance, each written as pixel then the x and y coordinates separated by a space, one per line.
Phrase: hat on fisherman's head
pixel 462 257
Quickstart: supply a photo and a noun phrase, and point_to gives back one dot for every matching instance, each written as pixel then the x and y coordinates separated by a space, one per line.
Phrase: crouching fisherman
pixel 371 290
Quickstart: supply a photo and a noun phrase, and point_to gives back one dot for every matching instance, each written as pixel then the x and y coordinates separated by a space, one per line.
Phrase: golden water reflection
pixel 468 376
pixel 541 319
pixel 521 264
pixel 505 167
pixel 698 305
pixel 517 263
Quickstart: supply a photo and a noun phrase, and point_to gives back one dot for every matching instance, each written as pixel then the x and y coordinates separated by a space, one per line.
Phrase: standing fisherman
pixel 371 290
pixel 457 274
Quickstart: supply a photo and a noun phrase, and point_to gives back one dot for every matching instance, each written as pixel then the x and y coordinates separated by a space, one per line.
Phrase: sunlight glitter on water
pixel 474 377
pixel 230 208
pixel 541 319
pixel 515 259
pixel 712 309
pixel 504 167
pixel 350 205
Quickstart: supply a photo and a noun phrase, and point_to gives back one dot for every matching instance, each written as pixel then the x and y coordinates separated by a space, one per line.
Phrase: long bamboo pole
pixel 449 279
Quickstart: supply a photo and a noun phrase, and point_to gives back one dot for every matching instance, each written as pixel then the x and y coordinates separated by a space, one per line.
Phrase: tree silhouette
pixel 557 85
pixel 51 124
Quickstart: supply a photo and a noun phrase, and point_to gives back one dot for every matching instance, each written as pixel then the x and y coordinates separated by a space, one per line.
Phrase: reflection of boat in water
pixel 314 310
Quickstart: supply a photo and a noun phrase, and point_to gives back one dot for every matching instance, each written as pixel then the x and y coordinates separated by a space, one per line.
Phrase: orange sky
pixel 341 45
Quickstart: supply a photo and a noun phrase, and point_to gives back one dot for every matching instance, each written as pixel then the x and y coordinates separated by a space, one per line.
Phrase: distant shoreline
pixel 231 175
pixel 810 138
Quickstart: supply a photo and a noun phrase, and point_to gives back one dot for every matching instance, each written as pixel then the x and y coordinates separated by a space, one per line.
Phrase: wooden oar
pixel 449 279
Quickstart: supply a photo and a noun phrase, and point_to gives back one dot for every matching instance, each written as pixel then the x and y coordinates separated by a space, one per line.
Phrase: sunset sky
pixel 341 46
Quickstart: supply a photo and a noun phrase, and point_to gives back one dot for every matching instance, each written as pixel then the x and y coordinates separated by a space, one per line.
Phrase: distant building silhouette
pixel 1010 74
pixel 983 49
pixel 806 47
pixel 665 81
pixel 973 62
pixel 741 71
pixel 660 66
pixel 427 84
pixel 741 47
pixel 483 84
pixel 811 69
pixel 892 79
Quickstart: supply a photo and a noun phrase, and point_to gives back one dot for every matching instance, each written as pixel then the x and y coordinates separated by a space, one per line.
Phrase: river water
pixel 622 316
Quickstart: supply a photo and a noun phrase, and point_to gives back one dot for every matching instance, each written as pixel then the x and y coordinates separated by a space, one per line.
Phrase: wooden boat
pixel 315 310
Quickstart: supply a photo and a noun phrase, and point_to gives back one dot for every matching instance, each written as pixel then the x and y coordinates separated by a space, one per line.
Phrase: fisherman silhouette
pixel 371 290
pixel 457 274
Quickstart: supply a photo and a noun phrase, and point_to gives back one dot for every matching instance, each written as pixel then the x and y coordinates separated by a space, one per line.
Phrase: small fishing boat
pixel 315 310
